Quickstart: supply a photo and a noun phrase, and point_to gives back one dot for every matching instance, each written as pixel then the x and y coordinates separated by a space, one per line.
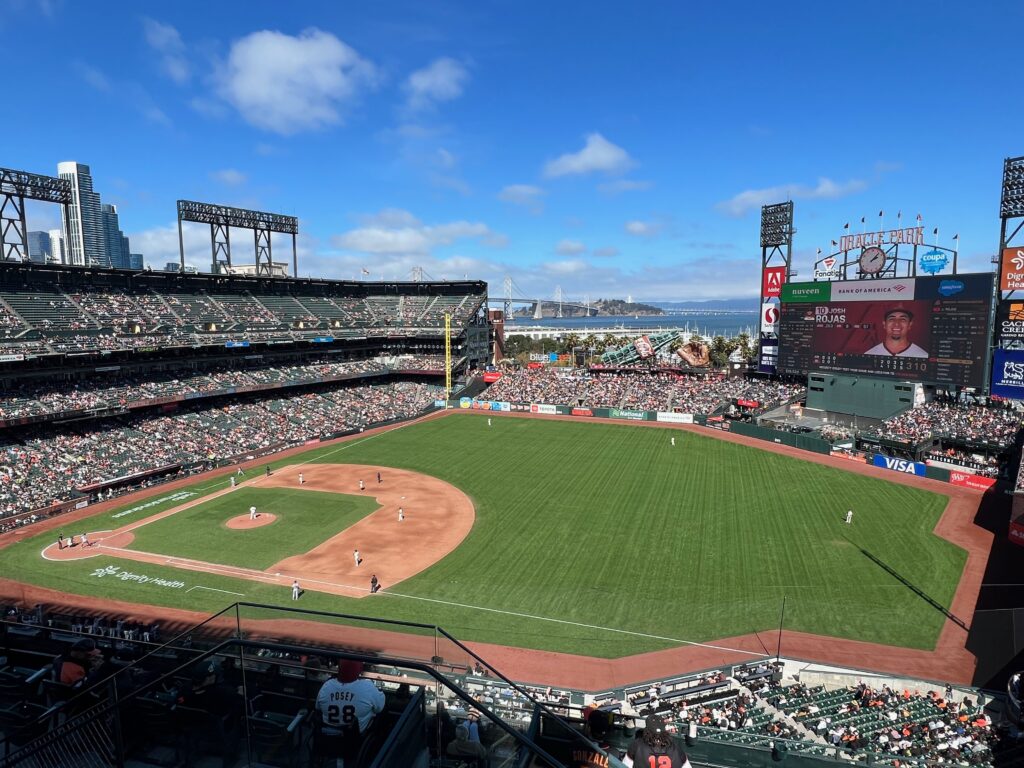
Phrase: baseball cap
pixel 899 308
pixel 349 670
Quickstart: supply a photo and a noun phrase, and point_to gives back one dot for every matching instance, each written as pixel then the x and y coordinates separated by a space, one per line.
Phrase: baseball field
pixel 588 538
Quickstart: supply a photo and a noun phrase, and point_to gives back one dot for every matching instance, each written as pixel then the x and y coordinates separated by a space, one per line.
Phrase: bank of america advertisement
pixel 1008 374
pixel 927 329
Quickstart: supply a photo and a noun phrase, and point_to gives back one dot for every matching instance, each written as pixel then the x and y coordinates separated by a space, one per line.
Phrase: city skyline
pixel 610 152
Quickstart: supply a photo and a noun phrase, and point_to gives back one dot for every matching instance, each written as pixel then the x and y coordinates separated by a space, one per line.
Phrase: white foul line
pixel 214 589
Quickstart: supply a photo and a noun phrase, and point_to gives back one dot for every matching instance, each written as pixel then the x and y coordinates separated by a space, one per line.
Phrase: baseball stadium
pixel 221 490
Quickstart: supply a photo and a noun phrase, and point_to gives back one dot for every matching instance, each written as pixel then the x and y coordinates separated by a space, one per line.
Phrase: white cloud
pixel 566 266
pixel 607 252
pixel 525 195
pixel 229 177
pixel 93 77
pixel 445 159
pixel 443 80
pixel 751 199
pixel 288 84
pixel 639 228
pixel 624 185
pixel 570 247
pixel 394 231
pixel 165 40
pixel 598 154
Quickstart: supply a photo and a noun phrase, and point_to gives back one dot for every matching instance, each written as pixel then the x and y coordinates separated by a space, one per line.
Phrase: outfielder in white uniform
pixel 673 441
pixel 348 699
pixel 252 513
pixel 849 516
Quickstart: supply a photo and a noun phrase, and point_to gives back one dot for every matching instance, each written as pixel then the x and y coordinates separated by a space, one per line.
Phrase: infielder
pixel 302 479
pixel 378 478
pixel 355 556
pixel 232 481
pixel 362 486
pixel 401 514
pixel 849 516
pixel 296 589
pixel 85 540
pixel 252 513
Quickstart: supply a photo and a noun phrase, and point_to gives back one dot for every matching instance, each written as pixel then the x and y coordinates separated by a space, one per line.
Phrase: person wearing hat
pixel 896 326
pixel 79 664
pixel 655 747
pixel 348 700
pixel 597 724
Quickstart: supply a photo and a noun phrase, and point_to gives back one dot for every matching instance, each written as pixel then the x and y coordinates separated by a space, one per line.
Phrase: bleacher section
pixel 48 309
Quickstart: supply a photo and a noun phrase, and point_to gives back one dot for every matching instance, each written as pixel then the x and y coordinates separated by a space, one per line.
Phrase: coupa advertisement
pixel 1008 374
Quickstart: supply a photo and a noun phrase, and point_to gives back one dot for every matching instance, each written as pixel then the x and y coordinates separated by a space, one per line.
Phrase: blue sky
pixel 607 148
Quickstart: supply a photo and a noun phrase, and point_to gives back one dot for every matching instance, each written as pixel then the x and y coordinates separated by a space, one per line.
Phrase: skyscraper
pixel 115 242
pixel 84 241
pixel 57 255
pixel 39 247
pixel 135 261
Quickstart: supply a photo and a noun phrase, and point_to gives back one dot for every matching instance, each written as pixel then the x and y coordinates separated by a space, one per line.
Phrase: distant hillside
pixel 715 305
pixel 620 307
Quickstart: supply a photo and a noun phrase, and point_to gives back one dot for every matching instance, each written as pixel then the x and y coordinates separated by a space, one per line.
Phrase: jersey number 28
pixel 347 715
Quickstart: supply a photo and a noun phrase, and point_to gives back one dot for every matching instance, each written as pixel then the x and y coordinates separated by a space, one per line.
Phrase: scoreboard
pixel 935 330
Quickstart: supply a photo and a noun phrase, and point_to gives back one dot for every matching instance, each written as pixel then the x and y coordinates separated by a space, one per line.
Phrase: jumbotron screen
pixel 929 329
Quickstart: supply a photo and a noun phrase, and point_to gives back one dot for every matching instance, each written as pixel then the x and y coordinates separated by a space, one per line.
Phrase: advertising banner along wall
pixel 1008 374
pixel 899 465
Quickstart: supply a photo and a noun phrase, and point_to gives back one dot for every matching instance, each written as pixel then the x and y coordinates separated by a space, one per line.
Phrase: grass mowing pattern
pixel 304 520
pixel 610 525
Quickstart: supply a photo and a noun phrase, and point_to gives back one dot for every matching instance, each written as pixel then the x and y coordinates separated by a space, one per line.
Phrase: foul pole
pixel 447 358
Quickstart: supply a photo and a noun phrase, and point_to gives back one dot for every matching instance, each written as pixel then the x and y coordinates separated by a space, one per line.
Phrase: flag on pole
pixel 935 231
pixel 881 214
pixel 834 243
pixel 862 219
pixel 899 214
pixel 846 225
pixel 919 218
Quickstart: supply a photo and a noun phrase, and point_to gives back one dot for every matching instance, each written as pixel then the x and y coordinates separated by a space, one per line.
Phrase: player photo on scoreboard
pixel 877 328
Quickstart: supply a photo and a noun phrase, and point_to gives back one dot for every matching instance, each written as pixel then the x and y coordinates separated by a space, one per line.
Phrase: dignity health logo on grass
pixel 117 573
pixel 179 496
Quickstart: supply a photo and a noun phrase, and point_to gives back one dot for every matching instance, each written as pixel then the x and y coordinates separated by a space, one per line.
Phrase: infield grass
pixel 304 520
pixel 602 525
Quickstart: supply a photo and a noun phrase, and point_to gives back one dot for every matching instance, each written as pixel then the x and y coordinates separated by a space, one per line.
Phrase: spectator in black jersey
pixel 655 748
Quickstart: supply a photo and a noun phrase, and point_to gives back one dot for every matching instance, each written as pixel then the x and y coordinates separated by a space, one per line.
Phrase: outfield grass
pixel 304 520
pixel 608 525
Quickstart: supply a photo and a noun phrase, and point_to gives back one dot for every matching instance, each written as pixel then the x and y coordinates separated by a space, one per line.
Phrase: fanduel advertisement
pixel 1008 374
pixel 905 466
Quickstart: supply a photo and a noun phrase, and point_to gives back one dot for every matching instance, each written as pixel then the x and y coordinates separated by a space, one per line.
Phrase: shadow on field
pixel 914 588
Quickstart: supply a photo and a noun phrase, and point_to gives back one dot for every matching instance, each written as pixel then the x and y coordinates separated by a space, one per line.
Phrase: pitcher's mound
pixel 242 522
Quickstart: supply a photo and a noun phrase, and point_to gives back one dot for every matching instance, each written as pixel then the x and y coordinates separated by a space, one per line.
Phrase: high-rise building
pixel 115 243
pixel 39 247
pixel 84 241
pixel 135 261
pixel 56 246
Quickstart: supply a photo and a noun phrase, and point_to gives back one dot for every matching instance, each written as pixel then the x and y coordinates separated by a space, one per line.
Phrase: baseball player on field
pixel 252 513
pixel 233 481
pixel 355 556
pixel 401 514
pixel 362 486
pixel 302 479
pixel 296 589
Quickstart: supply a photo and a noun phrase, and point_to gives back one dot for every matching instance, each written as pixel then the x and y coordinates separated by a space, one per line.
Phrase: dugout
pixel 865 396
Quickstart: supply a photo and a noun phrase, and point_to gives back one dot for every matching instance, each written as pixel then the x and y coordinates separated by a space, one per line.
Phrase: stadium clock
pixel 872 260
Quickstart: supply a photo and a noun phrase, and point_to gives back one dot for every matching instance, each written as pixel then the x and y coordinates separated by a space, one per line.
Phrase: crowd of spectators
pixel 665 391
pixel 955 421
pixel 982 464
pixel 932 726
pixel 47 463
pixel 37 398
pixel 104 319
pixel 834 433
